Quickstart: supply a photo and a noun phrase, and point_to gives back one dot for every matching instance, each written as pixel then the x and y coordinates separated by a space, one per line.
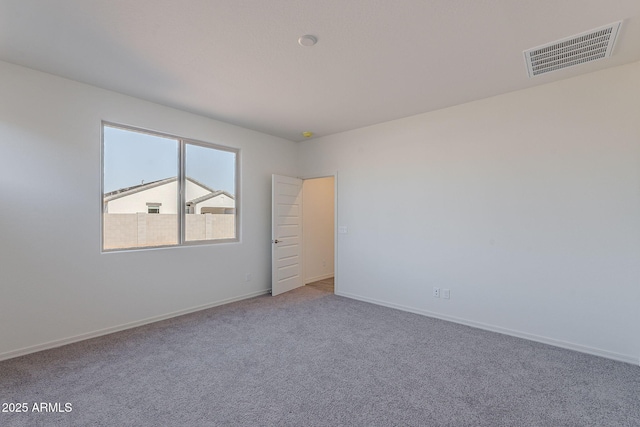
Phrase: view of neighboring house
pixel 161 197
pixel 147 214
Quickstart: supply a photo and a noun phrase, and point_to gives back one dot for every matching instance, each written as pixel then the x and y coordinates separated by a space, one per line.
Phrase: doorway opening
pixel 319 232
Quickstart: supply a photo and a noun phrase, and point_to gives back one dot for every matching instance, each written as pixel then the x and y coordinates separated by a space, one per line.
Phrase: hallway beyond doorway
pixel 326 285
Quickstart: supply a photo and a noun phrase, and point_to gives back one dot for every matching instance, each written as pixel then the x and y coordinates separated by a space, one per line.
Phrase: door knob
pixel 276 241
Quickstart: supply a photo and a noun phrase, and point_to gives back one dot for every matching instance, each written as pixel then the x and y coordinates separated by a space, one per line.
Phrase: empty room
pixel 320 213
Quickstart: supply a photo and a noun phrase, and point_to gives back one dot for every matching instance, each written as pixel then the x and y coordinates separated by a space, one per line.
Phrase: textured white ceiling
pixel 238 60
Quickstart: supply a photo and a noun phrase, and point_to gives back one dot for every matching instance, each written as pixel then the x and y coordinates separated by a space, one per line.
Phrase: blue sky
pixel 131 157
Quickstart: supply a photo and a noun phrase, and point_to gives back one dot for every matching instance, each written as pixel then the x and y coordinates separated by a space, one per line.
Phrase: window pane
pixel 140 200
pixel 210 193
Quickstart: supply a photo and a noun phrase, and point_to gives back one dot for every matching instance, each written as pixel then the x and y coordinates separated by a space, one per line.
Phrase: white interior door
pixel 286 232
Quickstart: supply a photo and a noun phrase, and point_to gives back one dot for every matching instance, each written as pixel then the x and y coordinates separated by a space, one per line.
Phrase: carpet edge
pixel 106 331
pixel 633 360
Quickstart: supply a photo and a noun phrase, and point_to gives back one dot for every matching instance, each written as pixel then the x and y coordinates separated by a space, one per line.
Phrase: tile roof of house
pixel 210 196
pixel 126 191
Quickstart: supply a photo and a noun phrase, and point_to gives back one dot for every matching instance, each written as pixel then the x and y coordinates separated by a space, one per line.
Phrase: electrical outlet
pixel 436 292
pixel 446 293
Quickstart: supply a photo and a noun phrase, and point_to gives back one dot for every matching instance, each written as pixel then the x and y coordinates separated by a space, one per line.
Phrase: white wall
pixel 525 205
pixel 318 228
pixel 55 283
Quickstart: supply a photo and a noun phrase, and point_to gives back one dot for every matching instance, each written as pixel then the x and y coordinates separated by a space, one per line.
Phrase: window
pixel 161 190
pixel 153 208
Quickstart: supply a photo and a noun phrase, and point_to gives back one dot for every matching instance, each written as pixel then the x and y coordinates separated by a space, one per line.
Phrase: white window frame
pixel 181 232
pixel 153 206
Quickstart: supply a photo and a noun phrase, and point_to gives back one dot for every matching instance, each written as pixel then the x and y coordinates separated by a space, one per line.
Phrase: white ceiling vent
pixel 575 50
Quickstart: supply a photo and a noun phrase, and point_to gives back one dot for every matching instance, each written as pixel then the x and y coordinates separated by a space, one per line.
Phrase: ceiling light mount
pixel 307 40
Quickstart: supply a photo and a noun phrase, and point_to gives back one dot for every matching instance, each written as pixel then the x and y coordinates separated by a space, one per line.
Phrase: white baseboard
pixel 316 278
pixel 545 340
pixel 107 331
pixel 541 339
